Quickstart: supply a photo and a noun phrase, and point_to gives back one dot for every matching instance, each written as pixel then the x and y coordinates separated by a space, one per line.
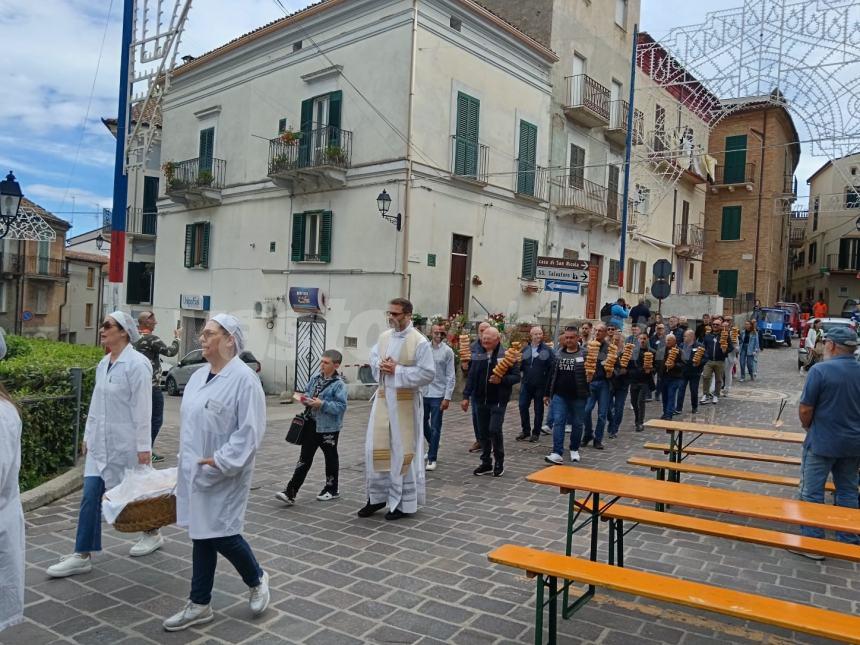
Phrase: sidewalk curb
pixel 69 482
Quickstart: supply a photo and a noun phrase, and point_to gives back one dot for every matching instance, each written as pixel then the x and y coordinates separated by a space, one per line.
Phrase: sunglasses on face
pixel 394 314
pixel 107 324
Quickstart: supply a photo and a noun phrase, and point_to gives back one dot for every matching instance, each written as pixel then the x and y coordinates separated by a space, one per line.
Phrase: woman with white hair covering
pixel 117 436
pixel 223 420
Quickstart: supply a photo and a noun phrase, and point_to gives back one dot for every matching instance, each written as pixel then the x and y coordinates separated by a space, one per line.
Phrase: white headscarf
pixel 128 324
pixel 233 327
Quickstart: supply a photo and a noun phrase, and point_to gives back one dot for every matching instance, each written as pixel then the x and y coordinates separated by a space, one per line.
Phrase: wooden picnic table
pixel 676 430
pixel 602 484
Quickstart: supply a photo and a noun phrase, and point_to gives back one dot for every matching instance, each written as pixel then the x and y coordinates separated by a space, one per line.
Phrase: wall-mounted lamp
pixel 383 203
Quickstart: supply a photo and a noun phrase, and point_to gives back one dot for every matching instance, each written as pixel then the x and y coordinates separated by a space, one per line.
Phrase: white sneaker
pixel 148 543
pixel 431 465
pixel 568 429
pixel 190 615
pixel 327 496
pixel 705 399
pixel 283 497
pixel 554 458
pixel 715 399
pixel 546 428
pixel 258 597
pixel 70 565
pixel 574 455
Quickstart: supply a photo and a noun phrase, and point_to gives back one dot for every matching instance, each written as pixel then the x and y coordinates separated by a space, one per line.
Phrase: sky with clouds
pixel 57 86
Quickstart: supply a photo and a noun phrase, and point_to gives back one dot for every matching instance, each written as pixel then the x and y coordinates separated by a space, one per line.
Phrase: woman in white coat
pixel 223 420
pixel 11 515
pixel 117 436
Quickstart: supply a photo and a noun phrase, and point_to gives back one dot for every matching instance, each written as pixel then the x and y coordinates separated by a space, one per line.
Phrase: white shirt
pixel 11 519
pixel 443 383
pixel 119 421
pixel 224 418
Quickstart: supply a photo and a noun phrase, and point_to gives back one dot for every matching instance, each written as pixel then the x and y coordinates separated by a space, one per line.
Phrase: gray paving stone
pixel 389 634
pixel 101 635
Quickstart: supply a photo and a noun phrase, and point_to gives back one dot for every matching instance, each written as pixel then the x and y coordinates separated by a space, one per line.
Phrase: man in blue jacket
pixel 716 362
pixel 491 395
pixel 536 365
pixel 619 314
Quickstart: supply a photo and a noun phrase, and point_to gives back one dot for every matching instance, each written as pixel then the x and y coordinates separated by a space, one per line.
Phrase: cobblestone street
pixel 339 579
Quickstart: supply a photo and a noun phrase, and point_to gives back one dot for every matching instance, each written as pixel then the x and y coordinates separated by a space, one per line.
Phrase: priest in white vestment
pixel 402 362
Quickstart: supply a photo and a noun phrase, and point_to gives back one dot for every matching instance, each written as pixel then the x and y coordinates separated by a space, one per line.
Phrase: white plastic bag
pixel 140 482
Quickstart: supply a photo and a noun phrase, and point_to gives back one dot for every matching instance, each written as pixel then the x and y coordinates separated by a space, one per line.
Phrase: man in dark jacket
pixel 702 327
pixel 599 394
pixel 567 390
pixel 536 364
pixel 475 350
pixel 715 366
pixel 672 378
pixel 491 395
pixel 692 373
pixel 641 382
pixel 640 313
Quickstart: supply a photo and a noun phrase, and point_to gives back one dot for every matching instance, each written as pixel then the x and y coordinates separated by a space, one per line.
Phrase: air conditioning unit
pixel 263 309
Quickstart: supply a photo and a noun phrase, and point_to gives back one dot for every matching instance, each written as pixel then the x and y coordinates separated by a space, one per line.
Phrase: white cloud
pixel 83 198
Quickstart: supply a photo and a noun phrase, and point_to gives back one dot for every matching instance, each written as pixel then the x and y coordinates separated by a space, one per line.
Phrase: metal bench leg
pixel 619 531
pixel 539 611
pixel 553 610
pixel 611 549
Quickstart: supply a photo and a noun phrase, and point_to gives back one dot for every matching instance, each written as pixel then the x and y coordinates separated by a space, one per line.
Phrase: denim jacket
pixel 329 418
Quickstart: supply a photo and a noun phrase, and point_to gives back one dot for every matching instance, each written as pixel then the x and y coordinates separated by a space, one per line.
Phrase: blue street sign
pixel 562 286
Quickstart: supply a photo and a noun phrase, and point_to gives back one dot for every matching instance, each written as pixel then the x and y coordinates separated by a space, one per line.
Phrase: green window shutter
pixel 133 281
pixel 189 245
pixel 528 155
pixel 207 150
pixel 731 227
pixel 530 254
pixel 735 159
pixel 577 166
pixel 727 283
pixel 335 103
pixel 306 127
pixel 325 237
pixel 468 122
pixel 204 252
pixel 298 244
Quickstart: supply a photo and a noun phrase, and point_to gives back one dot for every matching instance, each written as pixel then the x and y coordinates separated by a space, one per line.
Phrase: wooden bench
pixel 549 568
pixel 729 454
pixel 714 471
pixel 620 513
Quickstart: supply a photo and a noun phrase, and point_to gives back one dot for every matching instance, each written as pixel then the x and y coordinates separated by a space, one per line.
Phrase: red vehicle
pixel 794 309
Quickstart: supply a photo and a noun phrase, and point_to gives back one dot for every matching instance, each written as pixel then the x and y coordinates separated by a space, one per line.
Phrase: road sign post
pixel 561 276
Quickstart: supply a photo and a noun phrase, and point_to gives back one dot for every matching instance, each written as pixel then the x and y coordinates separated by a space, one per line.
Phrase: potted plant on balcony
pixel 288 137
pixel 335 155
pixel 205 178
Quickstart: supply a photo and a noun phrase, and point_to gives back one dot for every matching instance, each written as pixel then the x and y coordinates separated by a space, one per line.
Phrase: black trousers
pixel 490 419
pixel 327 442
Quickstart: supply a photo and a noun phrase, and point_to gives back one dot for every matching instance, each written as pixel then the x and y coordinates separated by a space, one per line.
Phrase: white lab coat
pixel 224 419
pixel 119 420
pixel 11 519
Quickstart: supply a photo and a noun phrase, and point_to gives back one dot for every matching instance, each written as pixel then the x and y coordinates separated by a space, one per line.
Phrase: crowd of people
pixel 590 369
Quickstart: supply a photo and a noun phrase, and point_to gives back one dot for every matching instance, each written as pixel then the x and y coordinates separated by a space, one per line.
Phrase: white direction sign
pixel 562 269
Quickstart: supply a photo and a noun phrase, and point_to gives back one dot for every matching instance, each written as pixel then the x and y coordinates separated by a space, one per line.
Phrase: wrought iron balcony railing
pixel 689 240
pixel 469 159
pixel 737 174
pixel 584 92
pixel 324 147
pixel 618 112
pixel 140 222
pixel 196 173
pixel 532 180
pixel 33 265
pixel 843 262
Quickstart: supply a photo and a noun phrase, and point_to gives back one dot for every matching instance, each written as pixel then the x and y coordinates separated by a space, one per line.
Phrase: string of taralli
pixel 611 359
pixel 724 340
pixel 648 362
pixel 591 359
pixel 626 355
pixel 465 348
pixel 735 334
pixel 672 357
pixel 698 355
pixel 511 358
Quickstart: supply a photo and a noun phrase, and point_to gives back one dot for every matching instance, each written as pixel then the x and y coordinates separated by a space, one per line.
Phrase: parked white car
pixel 178 375
pixel 826 324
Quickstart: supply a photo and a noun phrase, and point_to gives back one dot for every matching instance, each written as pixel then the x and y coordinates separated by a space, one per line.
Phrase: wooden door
pixel 460 245
pixel 593 287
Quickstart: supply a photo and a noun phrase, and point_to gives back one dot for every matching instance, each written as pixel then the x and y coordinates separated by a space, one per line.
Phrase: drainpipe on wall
pixel 761 135
pixel 65 302
pixel 99 304
pixel 405 285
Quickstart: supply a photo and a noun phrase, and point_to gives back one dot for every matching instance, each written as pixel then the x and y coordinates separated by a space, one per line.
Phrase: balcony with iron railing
pixel 586 101
pixel 470 160
pixel 312 159
pixel 731 177
pixel 616 131
pixel 789 185
pixel 140 222
pixel 796 236
pixel 842 263
pixel 586 201
pixel 689 241
pixel 532 181
pixel 195 182
pixel 679 149
pixel 33 266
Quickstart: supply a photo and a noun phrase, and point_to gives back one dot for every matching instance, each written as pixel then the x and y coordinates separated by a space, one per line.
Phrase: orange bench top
pixel 747 606
pixel 764 507
pixel 729 454
pixel 727 431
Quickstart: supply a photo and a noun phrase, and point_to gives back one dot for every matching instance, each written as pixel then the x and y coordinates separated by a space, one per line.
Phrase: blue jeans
pixel 600 396
pixel 432 425
pixel 748 363
pixel 205 558
pixel 549 419
pixel 616 408
pixel 691 383
pixel 529 394
pixel 157 412
pixel 813 475
pixel 89 534
pixel 671 387
pixel 570 411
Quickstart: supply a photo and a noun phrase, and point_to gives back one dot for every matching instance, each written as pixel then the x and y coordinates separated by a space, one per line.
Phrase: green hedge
pixel 34 372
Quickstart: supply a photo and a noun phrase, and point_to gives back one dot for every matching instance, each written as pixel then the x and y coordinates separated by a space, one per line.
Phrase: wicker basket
pixel 147 515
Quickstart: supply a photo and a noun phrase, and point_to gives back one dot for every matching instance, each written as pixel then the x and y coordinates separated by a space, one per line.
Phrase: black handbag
pixel 300 429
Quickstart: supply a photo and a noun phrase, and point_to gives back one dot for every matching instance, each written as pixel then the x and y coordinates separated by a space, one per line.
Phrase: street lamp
pixel 383 203
pixel 100 242
pixel 10 200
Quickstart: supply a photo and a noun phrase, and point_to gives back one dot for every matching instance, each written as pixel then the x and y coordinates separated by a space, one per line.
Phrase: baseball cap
pixel 842 335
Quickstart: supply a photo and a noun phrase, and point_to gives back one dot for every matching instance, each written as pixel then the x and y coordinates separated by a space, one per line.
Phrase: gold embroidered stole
pixel 404 405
